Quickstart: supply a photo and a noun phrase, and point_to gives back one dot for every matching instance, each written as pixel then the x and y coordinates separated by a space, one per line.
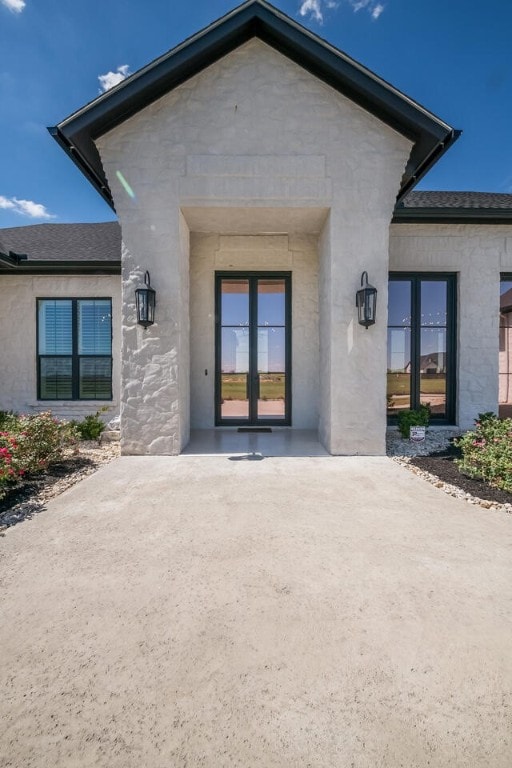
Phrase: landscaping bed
pixel 442 465
pixel 41 456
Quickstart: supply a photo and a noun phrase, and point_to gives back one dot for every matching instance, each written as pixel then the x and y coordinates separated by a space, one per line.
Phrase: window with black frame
pixel 74 348
pixel 421 344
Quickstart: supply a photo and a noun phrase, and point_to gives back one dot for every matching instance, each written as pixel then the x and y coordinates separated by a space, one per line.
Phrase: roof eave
pixel 452 216
pixel 50 267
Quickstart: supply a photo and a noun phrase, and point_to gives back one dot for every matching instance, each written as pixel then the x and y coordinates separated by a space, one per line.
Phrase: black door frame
pixel 253 277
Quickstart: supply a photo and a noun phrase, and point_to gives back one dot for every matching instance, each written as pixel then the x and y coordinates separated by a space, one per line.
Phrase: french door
pixel 252 348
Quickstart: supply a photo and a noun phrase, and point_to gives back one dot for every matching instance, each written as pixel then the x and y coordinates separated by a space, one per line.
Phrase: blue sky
pixel 452 56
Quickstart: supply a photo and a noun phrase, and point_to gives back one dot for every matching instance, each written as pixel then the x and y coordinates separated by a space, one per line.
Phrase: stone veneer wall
pixel 18 342
pixel 298 254
pixel 253 131
pixel 477 253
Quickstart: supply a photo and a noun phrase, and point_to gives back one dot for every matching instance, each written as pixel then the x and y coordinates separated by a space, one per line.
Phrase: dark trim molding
pixel 60 267
pixel 404 215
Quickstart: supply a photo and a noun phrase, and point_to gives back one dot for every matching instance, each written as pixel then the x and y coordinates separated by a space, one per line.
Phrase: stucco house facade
pixel 256 173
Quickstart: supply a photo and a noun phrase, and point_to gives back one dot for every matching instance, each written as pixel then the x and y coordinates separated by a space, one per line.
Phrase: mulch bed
pixel 33 485
pixel 443 465
pixel 29 497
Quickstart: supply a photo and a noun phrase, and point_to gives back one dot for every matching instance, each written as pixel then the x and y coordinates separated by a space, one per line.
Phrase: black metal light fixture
pixel 145 299
pixel 366 302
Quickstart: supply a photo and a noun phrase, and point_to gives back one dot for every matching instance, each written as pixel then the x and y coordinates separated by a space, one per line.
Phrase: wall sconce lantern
pixel 145 299
pixel 366 302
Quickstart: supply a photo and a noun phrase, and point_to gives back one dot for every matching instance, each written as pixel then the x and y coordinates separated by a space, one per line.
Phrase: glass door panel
pixel 271 372
pixel 234 349
pixel 253 350
pixel 271 341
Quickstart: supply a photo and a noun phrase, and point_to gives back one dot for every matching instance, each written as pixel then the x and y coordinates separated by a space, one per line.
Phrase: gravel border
pixel 437 439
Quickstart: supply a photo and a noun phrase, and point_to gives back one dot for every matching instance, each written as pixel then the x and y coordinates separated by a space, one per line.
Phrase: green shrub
pixel 419 417
pixel 30 444
pixel 41 439
pixel 487 451
pixel 8 419
pixel 91 427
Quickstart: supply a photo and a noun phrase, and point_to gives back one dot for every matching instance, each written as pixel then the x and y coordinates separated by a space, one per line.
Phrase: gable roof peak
pixel 430 135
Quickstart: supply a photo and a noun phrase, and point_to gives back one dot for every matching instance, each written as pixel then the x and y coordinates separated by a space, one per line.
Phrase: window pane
pixel 433 302
pixel 56 378
pixel 55 327
pixel 235 302
pixel 505 359
pixel 271 302
pixel 95 378
pixel 94 327
pixel 271 350
pixel 433 369
pixel 234 371
pixel 399 302
pixel 235 350
pixel 234 396
pixel 399 370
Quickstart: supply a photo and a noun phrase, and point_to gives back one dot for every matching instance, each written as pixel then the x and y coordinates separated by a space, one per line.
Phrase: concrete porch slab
pixel 281 441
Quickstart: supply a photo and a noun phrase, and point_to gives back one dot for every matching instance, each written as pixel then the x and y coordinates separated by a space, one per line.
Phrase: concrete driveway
pixel 172 612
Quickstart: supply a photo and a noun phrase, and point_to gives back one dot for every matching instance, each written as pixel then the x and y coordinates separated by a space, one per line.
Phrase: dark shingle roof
pixel 470 200
pixel 64 242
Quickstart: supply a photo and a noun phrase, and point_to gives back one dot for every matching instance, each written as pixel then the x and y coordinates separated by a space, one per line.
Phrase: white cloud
pixel 25 208
pixel 113 78
pixel 315 8
pixel 16 6
pixel 312 7
pixel 373 7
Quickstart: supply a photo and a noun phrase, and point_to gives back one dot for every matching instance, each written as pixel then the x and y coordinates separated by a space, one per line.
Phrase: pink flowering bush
pixel 487 451
pixel 9 469
pixel 30 444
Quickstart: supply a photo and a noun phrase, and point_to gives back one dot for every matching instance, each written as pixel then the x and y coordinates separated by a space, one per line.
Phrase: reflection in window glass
pixel 505 354
pixel 399 303
pixel 235 302
pixel 419 356
pixel 433 302
pixel 399 369
pixel 433 369
pixel 271 302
